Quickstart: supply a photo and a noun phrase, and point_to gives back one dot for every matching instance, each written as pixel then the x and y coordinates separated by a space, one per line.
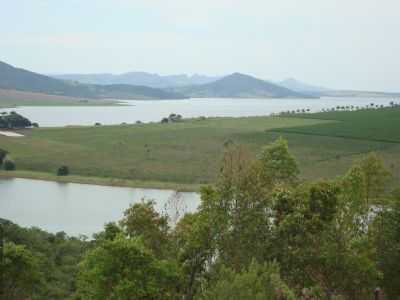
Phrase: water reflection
pixel 78 208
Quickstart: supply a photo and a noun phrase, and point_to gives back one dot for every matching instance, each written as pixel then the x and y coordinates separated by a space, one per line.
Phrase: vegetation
pixel 259 233
pixel 3 154
pixel 37 264
pixel 63 171
pixel 13 120
pixel 324 144
pixel 9 165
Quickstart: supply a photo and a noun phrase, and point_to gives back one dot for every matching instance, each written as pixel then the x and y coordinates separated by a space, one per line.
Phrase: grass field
pixel 11 98
pixel 187 154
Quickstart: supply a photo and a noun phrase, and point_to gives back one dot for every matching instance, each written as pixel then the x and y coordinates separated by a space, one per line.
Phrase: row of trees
pixel 341 108
pixel 259 233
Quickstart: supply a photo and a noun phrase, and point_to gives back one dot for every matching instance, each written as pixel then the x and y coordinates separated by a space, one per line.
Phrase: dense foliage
pixel 14 120
pixel 63 171
pixel 9 165
pixel 259 233
pixel 37 264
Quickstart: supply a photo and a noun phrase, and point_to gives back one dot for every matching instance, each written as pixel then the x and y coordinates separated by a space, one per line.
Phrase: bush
pixel 9 165
pixel 63 171
pixel 3 154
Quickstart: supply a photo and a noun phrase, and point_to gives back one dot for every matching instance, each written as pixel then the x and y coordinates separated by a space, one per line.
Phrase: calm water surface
pixel 154 111
pixel 79 208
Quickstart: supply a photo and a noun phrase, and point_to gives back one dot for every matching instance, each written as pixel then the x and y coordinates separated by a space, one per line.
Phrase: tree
pixel 279 163
pixel 258 282
pixel 9 165
pixel 14 120
pixel 63 171
pixel 110 232
pixel 3 154
pixel 141 219
pixel 237 209
pixel 317 245
pixel 376 176
pixel 125 269
pixel 20 273
pixel 194 249
pixel 387 240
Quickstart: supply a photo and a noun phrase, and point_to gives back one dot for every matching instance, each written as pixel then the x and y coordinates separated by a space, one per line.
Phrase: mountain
pixel 318 91
pixel 302 87
pixel 12 78
pixel 139 78
pixel 239 85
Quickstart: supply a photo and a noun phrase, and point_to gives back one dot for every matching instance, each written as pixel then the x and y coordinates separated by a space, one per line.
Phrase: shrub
pixel 9 165
pixel 3 154
pixel 63 171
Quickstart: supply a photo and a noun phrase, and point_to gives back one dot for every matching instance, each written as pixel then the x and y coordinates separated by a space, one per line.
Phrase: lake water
pixel 154 111
pixel 79 208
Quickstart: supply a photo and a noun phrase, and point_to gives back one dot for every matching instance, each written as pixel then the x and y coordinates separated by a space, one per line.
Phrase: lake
pixel 155 110
pixel 78 208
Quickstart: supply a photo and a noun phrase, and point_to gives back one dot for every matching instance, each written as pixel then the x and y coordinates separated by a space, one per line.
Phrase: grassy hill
pixel 188 153
pixel 12 78
pixel 239 86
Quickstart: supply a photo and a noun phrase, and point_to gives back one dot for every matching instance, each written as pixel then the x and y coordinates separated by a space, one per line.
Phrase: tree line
pixel 260 233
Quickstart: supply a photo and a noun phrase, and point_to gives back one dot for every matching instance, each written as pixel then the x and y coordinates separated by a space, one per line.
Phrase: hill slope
pixel 139 78
pixel 12 78
pixel 301 87
pixel 239 85
pixel 318 91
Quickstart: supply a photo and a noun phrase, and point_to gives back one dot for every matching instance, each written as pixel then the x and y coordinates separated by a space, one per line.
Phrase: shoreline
pixel 102 181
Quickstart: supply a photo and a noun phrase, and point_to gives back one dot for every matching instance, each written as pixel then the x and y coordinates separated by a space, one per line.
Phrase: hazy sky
pixel 334 43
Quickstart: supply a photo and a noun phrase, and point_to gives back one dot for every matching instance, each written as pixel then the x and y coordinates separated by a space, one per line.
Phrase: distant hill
pixel 12 78
pixel 301 87
pixel 239 85
pixel 139 78
pixel 318 91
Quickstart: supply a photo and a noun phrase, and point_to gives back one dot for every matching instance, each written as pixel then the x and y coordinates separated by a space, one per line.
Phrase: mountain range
pixel 139 78
pixel 239 85
pixel 12 78
pixel 141 85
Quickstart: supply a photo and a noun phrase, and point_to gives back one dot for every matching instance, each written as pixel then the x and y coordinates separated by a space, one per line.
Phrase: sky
pixel 348 44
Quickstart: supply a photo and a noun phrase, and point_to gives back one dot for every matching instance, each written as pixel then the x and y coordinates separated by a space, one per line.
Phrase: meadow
pixel 187 154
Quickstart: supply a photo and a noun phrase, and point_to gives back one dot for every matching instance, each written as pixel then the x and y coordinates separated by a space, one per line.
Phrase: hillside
pixel 13 98
pixel 301 87
pixel 139 78
pixel 12 78
pixel 239 85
